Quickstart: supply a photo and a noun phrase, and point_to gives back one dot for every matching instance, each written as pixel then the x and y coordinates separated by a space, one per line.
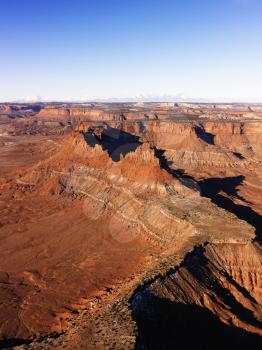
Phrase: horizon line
pixel 131 100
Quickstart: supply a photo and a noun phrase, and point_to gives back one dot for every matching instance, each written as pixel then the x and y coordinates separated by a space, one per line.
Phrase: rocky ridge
pixel 127 203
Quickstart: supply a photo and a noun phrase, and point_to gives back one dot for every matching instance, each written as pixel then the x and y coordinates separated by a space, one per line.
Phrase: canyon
pixel 130 225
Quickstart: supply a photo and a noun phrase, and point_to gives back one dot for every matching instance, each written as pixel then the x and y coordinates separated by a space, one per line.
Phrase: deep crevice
pixel 165 325
pixel 11 343
pixel 211 188
pixel 204 136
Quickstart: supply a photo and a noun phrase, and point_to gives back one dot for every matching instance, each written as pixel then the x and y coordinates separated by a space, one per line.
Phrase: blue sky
pixel 77 49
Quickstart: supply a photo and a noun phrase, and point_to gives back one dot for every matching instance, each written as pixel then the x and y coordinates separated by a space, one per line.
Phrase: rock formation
pixel 119 224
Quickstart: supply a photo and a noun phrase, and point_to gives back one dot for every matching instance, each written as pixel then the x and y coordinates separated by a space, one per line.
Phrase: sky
pixel 70 50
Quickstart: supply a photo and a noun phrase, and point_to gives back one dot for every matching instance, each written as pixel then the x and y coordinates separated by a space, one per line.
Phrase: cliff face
pixel 113 212
pixel 193 144
pixel 123 193
pixel 233 140
pixel 215 288
pixel 75 114
pixel 152 111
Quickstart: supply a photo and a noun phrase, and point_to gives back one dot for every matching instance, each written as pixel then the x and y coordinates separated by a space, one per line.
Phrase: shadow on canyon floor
pixel 204 135
pixel 119 143
pixel 227 184
pixel 211 188
pixel 17 343
pixel 13 343
pixel 165 325
pixel 116 142
pixel 199 267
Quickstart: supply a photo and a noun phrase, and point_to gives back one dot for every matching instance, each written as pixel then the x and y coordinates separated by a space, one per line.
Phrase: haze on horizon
pixel 83 49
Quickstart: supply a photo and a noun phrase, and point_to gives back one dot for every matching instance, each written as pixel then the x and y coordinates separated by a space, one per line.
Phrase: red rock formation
pixel 223 278
pixel 119 201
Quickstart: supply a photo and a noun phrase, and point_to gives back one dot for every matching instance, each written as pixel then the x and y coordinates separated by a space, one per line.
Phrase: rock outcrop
pixel 150 204
pixel 218 288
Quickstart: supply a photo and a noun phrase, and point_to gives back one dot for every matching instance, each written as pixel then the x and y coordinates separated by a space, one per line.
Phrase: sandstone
pixel 111 215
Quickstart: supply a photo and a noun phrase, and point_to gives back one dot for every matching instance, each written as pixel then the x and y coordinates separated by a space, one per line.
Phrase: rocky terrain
pixel 130 226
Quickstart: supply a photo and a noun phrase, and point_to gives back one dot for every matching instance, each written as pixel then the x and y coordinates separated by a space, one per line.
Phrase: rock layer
pixel 218 287
pixel 115 208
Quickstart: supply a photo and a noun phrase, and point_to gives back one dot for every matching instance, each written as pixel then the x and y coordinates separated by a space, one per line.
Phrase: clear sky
pixel 76 49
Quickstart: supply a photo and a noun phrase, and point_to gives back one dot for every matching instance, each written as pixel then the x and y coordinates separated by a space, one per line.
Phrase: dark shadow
pixel 211 188
pixel 115 141
pixel 241 289
pixel 204 136
pixel 238 155
pixel 90 138
pixel 118 143
pixel 165 163
pixel 123 150
pixel 33 107
pixel 11 343
pixel 227 184
pixel 199 267
pixel 179 174
pixel 166 325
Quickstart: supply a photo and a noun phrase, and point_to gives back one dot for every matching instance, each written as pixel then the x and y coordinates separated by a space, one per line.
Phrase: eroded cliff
pixel 110 216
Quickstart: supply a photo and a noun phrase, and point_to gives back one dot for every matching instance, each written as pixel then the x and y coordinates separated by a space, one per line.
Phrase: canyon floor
pixel 130 226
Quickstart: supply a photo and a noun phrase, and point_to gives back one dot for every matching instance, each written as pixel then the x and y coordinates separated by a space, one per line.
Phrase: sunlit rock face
pixel 214 295
pixel 115 220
